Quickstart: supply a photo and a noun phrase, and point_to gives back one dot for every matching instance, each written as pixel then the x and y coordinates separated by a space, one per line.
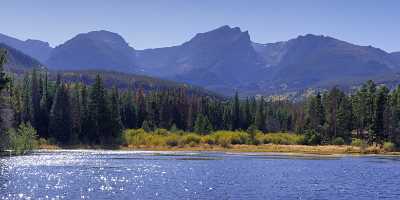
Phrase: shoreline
pixel 322 150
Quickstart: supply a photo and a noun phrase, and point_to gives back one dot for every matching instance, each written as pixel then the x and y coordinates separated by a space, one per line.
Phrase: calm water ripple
pixel 168 175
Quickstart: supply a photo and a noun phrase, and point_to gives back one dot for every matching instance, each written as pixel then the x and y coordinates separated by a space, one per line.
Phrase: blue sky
pixel 159 23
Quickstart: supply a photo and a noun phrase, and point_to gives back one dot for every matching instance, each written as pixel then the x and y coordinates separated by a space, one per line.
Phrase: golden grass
pixel 273 148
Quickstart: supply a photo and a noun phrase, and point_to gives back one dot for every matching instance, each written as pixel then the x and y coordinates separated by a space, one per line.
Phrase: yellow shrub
pixel 281 138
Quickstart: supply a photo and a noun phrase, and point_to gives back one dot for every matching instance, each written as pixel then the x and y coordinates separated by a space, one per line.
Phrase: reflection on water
pixel 175 175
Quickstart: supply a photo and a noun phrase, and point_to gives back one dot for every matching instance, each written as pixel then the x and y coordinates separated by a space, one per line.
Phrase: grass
pixel 238 141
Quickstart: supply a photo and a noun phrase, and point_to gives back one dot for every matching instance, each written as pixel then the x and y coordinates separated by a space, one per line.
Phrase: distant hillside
pixel 310 61
pixel 35 48
pixel 94 50
pixel 18 60
pixel 396 57
pixel 223 56
pixel 225 60
pixel 125 81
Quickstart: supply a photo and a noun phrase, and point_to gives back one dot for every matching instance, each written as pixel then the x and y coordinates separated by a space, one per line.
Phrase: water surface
pixel 172 175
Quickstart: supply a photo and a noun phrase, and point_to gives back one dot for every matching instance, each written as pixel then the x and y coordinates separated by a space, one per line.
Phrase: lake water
pixel 169 175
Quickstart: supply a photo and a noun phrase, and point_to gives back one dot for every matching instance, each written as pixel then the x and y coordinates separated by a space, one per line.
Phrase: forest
pixel 73 113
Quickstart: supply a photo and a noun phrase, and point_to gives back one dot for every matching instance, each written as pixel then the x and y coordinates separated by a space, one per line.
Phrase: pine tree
pixel 129 116
pixel 202 125
pixel 43 121
pixel 236 113
pixel 115 118
pixel 246 115
pixel 26 113
pixel 315 113
pixel 76 114
pixel 3 77
pixel 99 114
pixel 35 99
pixel 5 113
pixel 141 107
pixel 86 120
pixel 60 126
pixel 344 120
pixel 260 115
pixel 381 105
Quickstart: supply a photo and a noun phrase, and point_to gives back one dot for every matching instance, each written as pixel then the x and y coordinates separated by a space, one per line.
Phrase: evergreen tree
pixel 236 113
pixel 344 120
pixel 3 77
pixel 381 104
pixel 128 115
pixel 35 99
pixel 60 126
pixel 26 112
pixel 115 118
pixel 202 125
pixel 43 121
pixel 99 114
pixel 87 123
pixel 260 116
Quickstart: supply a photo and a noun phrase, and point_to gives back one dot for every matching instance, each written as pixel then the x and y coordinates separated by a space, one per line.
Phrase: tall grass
pixel 164 138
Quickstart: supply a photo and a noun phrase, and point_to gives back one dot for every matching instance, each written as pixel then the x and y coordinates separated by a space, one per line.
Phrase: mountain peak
pixel 223 33
pixel 94 50
pixel 103 36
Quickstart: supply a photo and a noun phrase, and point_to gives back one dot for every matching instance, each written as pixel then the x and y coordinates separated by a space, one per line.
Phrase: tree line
pixel 75 113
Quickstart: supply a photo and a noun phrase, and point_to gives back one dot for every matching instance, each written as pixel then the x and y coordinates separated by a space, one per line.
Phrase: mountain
pixel 226 60
pixel 396 57
pixel 222 57
pixel 311 61
pixel 16 60
pixel 94 50
pixel 124 81
pixel 34 48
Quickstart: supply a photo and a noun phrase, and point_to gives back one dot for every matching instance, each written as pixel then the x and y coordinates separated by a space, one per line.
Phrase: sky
pixel 160 23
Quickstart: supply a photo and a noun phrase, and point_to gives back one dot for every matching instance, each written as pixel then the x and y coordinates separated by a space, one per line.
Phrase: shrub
pixel 161 131
pixel 172 140
pixel 312 137
pixel 338 141
pixel 191 138
pixel 389 146
pixel 208 139
pixel 357 142
pixel 281 138
pixel 174 129
pixel 23 139
pixel 226 138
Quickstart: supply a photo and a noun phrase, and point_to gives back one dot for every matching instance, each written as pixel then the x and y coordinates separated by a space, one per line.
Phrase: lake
pixel 87 174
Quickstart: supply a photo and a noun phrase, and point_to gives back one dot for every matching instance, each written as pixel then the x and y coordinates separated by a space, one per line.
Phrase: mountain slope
pixel 396 57
pixel 132 81
pixel 18 60
pixel 34 48
pixel 94 50
pixel 221 57
pixel 225 60
pixel 310 61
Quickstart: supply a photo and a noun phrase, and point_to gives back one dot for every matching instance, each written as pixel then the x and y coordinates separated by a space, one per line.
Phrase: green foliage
pixel 71 113
pixel 191 139
pixel 338 141
pixel 23 139
pixel 389 146
pixel 358 142
pixel 252 131
pixel 3 78
pixel 161 137
pixel 202 125
pixel 281 138
pixel 172 140
pixel 311 137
